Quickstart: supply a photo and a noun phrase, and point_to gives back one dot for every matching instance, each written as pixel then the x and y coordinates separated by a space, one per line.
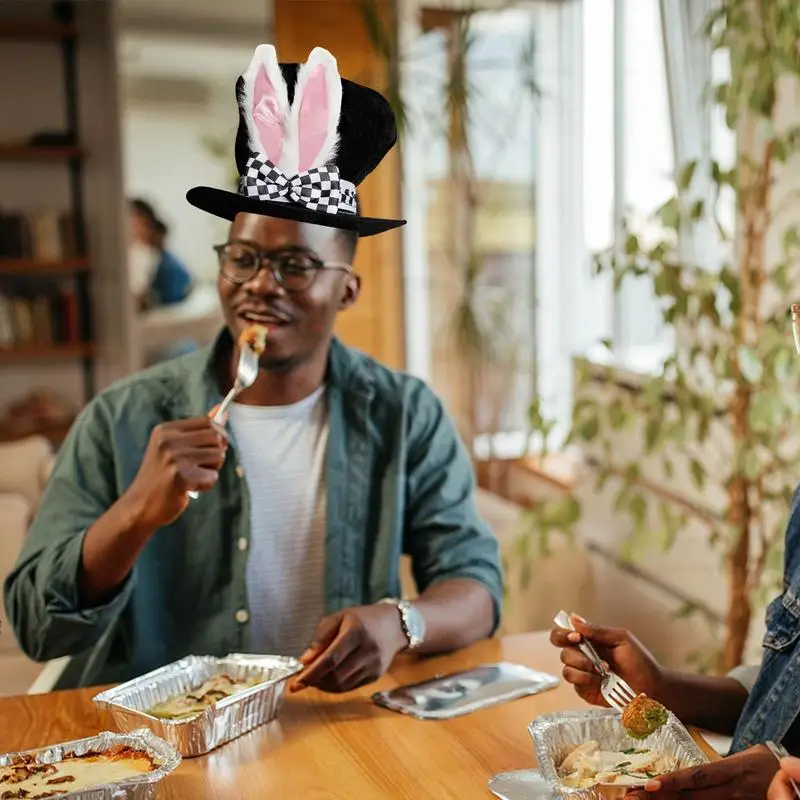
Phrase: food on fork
pixel 196 701
pixel 588 765
pixel 254 337
pixel 642 717
pixel 26 778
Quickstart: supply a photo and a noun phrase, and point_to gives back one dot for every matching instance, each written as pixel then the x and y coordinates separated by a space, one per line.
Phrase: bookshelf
pixel 32 152
pixel 45 269
pixel 33 266
pixel 36 31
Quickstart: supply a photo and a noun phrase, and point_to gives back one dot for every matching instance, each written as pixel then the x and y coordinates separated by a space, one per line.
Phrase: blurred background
pixel 570 172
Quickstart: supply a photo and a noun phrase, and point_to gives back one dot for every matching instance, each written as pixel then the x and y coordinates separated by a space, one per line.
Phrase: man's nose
pixel 264 282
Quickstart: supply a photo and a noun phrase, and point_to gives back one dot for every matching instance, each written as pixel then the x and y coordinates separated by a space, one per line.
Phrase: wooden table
pixel 325 747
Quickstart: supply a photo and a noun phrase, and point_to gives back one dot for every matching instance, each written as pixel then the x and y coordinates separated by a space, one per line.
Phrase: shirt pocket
pixel 783 622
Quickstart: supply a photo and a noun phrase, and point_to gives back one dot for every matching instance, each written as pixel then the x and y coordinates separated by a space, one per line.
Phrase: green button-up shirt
pixel 398 480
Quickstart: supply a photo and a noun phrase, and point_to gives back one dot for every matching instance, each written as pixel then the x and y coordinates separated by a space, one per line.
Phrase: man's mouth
pixel 262 318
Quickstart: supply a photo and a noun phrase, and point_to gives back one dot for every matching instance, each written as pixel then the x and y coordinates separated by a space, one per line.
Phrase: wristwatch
pixel 412 621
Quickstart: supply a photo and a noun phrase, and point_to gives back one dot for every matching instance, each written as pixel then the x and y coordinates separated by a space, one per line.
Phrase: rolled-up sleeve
pixel 41 594
pixel 444 534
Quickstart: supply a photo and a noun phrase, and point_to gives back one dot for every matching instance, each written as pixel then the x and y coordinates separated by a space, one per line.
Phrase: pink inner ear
pixel 266 117
pixel 313 118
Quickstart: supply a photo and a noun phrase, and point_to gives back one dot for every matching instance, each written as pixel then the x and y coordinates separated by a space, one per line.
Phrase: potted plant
pixel 733 368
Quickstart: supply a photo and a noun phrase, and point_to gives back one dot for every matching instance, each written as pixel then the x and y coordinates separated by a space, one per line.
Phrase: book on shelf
pixel 45 235
pixel 45 319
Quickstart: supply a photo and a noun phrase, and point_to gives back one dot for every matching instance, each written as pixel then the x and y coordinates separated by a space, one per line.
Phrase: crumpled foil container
pixel 142 787
pixel 556 735
pixel 232 716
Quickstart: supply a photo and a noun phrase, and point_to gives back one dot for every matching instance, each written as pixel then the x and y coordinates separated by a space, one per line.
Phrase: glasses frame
pixel 264 260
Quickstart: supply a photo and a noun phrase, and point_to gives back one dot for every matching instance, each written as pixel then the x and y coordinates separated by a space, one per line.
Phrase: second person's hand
pixel 618 648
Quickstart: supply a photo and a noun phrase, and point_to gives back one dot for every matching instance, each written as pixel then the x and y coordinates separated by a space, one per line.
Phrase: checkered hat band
pixel 320 189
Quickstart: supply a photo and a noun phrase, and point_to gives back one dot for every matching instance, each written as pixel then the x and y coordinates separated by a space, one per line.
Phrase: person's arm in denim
pixel 455 556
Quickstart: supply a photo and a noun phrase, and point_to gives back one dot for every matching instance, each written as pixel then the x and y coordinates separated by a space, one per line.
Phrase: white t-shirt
pixel 282 450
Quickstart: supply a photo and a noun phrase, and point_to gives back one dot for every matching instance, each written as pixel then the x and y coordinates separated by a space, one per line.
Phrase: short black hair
pixel 144 208
pixel 148 212
pixel 349 239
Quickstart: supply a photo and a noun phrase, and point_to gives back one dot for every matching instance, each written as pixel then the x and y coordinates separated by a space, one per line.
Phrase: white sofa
pixel 24 469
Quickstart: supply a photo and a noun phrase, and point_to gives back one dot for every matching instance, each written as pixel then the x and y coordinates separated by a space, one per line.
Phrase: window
pixel 479 217
pixel 598 144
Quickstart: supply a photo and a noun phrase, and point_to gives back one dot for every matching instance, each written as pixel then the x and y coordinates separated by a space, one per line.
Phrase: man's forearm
pixel 110 549
pixel 457 612
pixel 712 703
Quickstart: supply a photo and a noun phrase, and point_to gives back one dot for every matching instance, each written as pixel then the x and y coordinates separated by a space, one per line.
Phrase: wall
pixel 374 324
pixel 164 157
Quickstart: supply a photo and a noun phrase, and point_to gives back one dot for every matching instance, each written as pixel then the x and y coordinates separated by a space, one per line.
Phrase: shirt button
pixel 242 616
pixel 240 471
pixel 242 543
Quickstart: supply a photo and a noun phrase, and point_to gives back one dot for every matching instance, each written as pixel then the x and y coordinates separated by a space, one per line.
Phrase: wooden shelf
pixel 31 152
pixel 33 31
pixel 45 352
pixel 33 267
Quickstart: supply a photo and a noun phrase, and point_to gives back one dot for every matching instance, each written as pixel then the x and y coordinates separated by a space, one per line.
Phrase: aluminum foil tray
pixel 232 716
pixel 142 787
pixel 555 735
pixel 448 696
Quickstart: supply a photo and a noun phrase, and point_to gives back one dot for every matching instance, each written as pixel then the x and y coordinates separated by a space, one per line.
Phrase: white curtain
pixel 688 55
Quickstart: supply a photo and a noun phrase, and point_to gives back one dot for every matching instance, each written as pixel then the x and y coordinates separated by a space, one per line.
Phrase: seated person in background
pixel 781 787
pixel 157 276
pixel 172 281
pixel 755 705
pixel 331 466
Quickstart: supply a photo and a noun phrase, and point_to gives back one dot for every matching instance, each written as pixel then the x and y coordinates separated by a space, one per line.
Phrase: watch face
pixel 416 625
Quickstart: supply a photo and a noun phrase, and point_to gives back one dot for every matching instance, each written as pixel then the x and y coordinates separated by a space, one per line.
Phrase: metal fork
pixel 780 752
pixel 615 691
pixel 246 374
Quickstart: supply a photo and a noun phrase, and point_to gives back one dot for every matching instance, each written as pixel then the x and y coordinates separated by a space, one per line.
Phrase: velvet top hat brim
pixel 228 204
pixel 306 139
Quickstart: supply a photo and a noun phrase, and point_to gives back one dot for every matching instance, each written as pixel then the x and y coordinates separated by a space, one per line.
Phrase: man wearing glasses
pixel 328 469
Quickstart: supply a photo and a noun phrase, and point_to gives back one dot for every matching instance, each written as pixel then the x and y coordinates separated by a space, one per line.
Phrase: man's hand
pixel 181 456
pixel 351 648
pixel 623 653
pixel 781 787
pixel 744 776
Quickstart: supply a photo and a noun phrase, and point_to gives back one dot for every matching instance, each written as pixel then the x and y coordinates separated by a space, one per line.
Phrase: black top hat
pixel 306 140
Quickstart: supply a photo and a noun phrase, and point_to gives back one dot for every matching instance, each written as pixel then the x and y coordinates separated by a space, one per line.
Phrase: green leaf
pixel 749 364
pixel 652 432
pixel 638 509
pixel 669 214
pixel 588 429
pixel 686 175
pixel 698 473
pixel 563 512
pixel 688 609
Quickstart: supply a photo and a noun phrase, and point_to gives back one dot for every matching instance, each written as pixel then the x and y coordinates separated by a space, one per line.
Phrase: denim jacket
pixel 774 699
pixel 398 480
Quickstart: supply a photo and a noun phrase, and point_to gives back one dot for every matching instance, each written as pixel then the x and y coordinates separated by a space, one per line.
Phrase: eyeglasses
pixel 294 270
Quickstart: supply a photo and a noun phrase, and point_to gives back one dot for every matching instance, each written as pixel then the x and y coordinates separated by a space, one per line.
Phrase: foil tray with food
pixel 448 696
pixel 588 755
pixel 200 702
pixel 102 767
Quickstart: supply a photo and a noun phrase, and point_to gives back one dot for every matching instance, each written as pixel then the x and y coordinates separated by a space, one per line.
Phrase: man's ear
pixel 351 289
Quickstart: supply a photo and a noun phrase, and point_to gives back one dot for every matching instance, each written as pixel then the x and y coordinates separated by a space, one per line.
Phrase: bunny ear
pixel 312 136
pixel 265 103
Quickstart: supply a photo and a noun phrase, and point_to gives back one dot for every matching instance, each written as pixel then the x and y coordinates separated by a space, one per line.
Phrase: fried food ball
pixel 643 717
